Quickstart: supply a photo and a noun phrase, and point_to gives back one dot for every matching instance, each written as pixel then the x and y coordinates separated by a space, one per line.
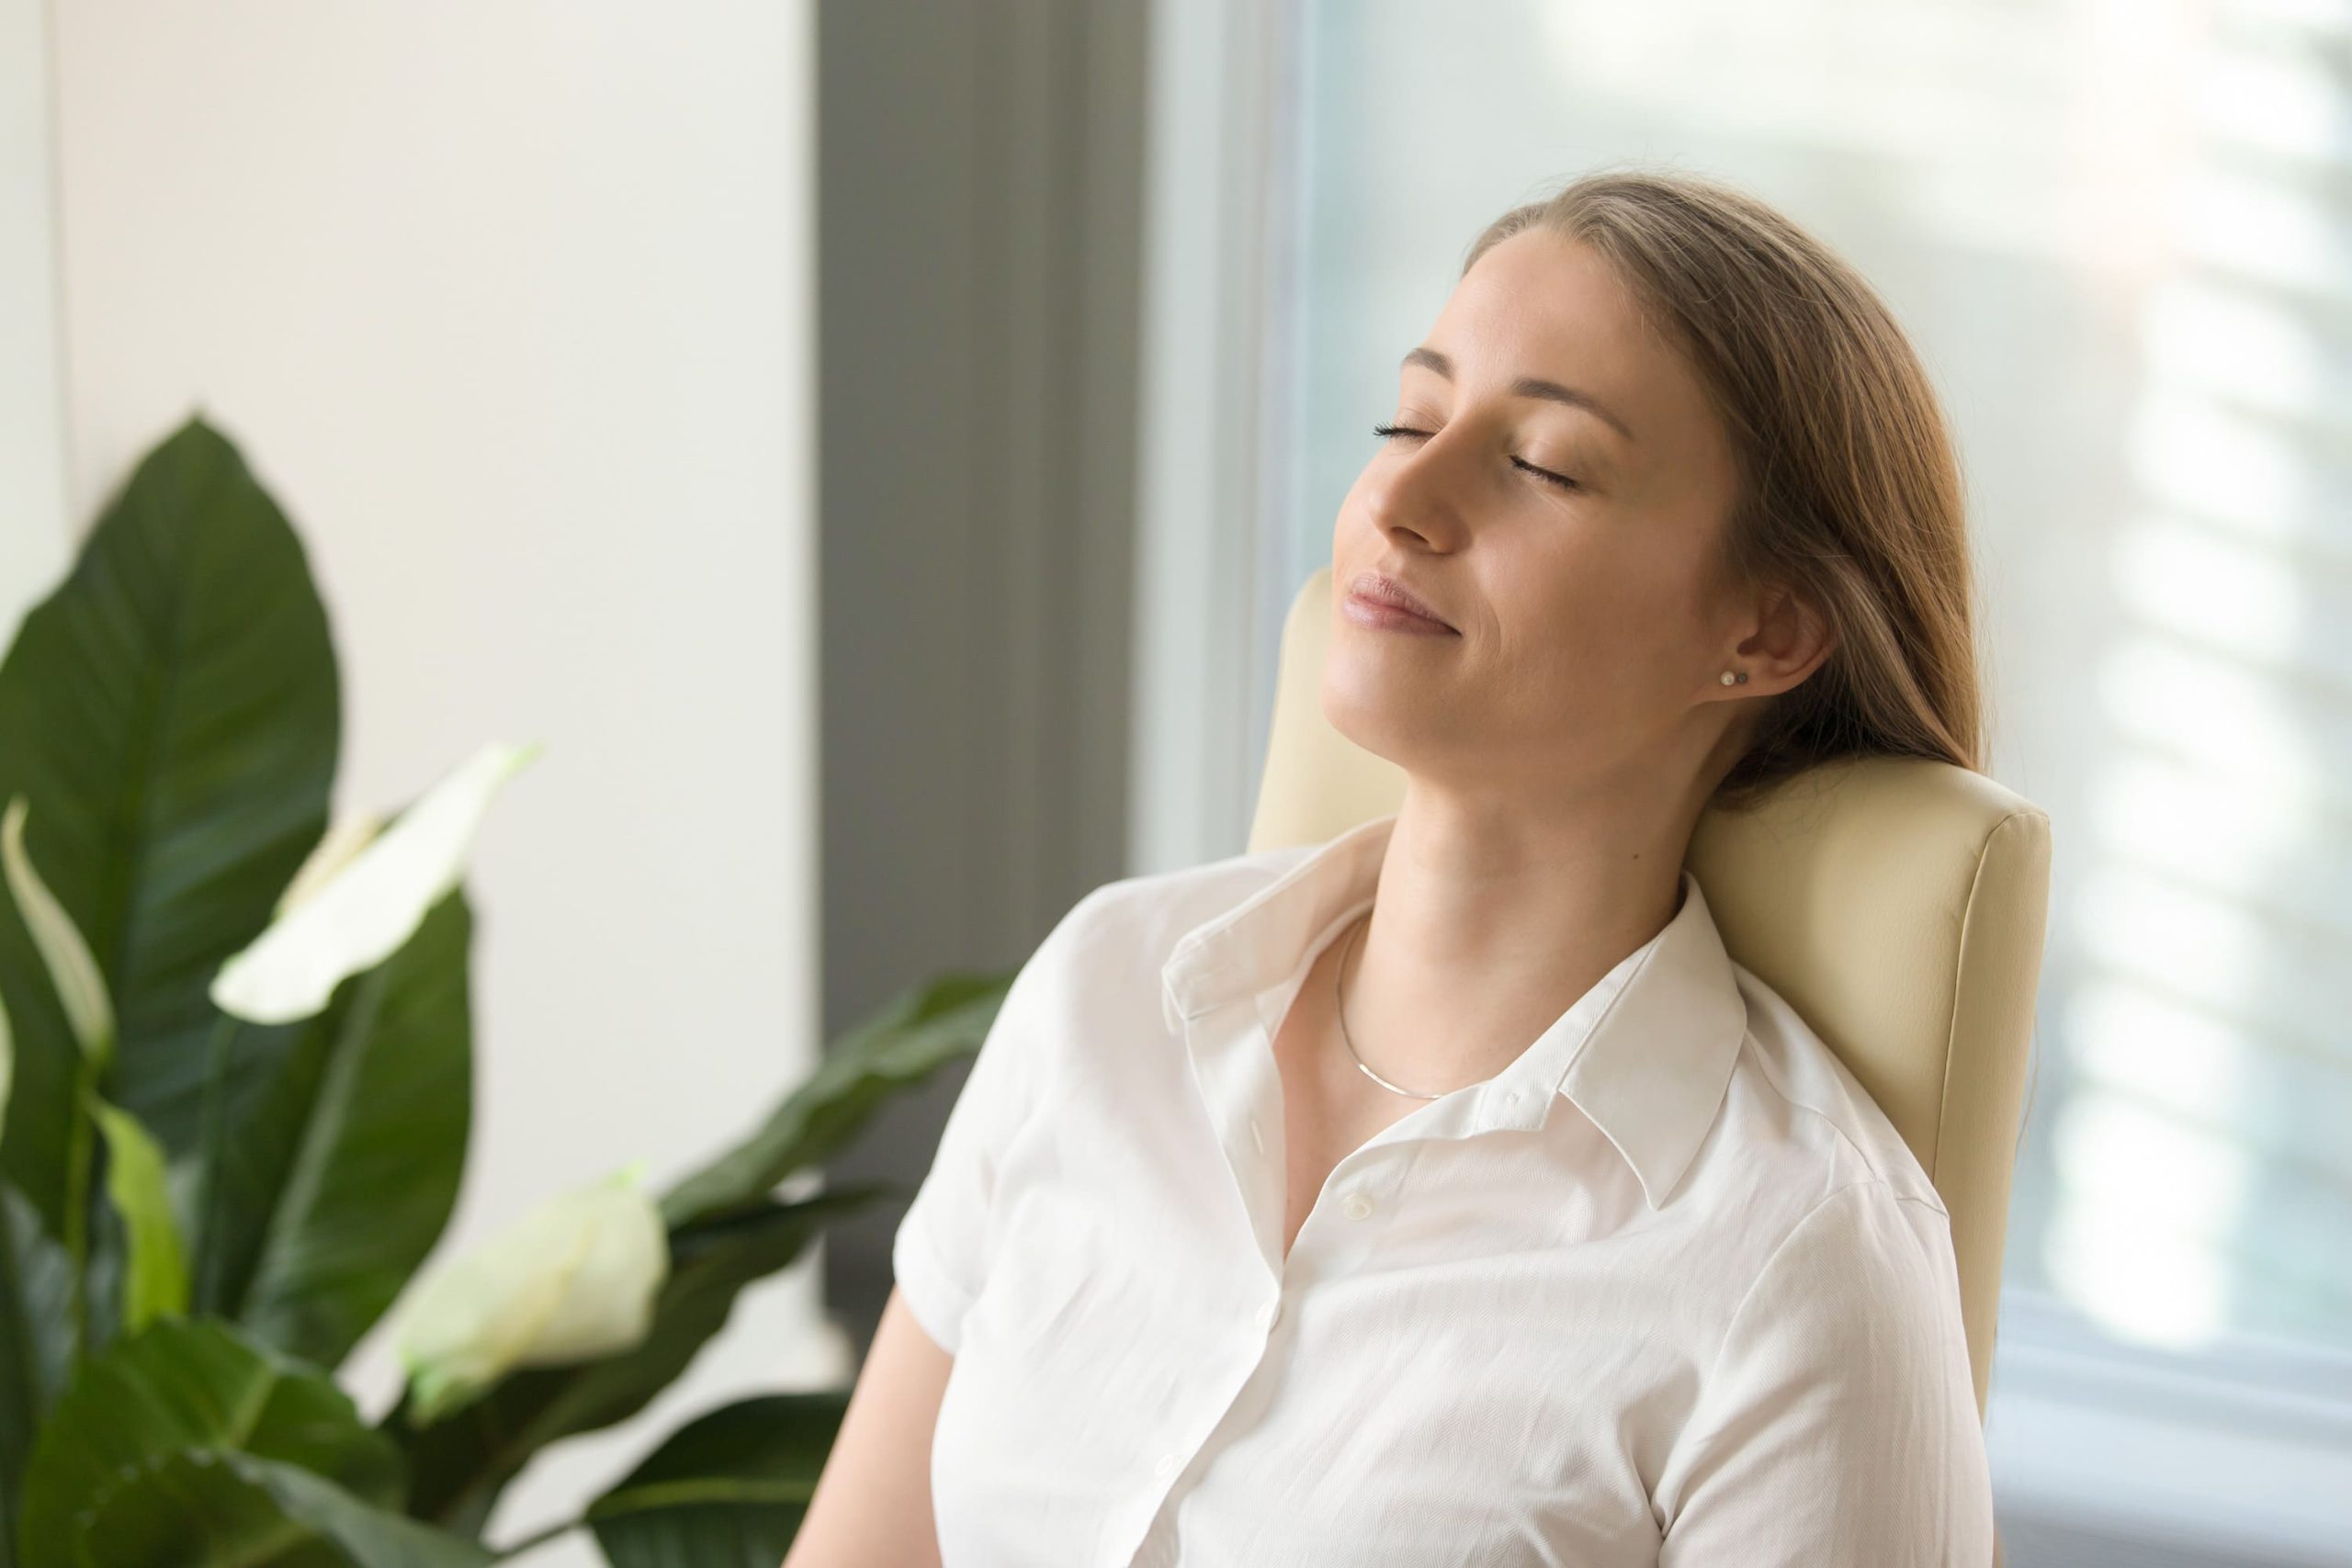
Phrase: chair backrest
pixel 1899 905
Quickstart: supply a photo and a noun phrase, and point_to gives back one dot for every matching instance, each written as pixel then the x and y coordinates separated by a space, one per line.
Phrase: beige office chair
pixel 1898 905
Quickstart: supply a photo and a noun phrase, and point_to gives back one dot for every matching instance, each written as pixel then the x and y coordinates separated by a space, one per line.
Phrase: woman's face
pixel 1590 626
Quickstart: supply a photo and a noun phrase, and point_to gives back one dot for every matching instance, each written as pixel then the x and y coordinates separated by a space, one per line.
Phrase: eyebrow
pixel 1526 386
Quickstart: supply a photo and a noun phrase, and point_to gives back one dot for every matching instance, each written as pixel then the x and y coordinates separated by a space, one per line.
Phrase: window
pixel 2121 237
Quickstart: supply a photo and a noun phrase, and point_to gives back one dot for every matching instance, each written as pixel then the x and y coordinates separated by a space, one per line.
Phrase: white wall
pixel 32 453
pixel 511 305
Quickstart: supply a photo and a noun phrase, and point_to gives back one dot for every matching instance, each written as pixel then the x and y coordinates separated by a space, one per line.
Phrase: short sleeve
pixel 939 1254
pixel 1837 1427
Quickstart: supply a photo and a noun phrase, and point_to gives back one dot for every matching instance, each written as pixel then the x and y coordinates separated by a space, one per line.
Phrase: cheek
pixel 1593 592
pixel 1593 628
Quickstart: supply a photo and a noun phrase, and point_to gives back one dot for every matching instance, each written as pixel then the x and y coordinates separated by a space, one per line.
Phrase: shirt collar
pixel 1646 1053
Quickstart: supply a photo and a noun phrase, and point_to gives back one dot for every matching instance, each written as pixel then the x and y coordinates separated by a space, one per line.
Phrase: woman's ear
pixel 1790 640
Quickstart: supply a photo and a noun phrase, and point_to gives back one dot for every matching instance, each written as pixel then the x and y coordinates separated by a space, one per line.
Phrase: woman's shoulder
pixel 1797 1096
pixel 1814 1184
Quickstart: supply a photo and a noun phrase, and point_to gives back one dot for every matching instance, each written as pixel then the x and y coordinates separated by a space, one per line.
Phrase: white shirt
pixel 1667 1289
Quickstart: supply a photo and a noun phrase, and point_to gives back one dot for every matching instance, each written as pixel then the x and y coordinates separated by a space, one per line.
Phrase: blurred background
pixel 874 445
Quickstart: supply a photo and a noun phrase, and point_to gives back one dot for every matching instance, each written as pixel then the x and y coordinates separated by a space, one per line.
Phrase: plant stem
pixel 201 1294
pixel 78 1153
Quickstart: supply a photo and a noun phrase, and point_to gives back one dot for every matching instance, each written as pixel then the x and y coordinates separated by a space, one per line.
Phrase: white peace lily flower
pixel 363 903
pixel 72 970
pixel 573 1280
pixel 334 850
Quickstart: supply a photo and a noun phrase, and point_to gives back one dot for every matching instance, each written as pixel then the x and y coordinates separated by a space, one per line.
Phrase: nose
pixel 1419 492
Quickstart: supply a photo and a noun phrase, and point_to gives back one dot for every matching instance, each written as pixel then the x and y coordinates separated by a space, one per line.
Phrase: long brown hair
pixel 1850 490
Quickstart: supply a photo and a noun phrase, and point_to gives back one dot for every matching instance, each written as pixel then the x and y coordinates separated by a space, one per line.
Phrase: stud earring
pixel 1734 678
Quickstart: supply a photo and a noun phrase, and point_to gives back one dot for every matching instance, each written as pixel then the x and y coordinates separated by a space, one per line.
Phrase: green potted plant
pixel 235 1087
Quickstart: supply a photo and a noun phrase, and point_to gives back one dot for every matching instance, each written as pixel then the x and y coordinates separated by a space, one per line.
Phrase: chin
pixel 1391 713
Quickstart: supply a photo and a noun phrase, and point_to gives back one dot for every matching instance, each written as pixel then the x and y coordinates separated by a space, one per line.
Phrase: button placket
pixel 1344 1228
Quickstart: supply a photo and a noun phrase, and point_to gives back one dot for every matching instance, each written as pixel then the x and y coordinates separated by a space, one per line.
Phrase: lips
pixel 1384 590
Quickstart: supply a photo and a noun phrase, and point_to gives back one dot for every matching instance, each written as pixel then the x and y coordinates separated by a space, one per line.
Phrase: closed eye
pixel 1390 432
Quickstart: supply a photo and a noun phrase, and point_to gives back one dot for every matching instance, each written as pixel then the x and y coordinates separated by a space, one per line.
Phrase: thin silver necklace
pixel 1339 1012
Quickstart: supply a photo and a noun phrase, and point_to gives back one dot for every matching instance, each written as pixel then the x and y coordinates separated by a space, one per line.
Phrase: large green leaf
pixel 459 1465
pixel 218 1508
pixel 171 714
pixel 184 1384
pixel 905 1041
pixel 727 1490
pixel 344 1147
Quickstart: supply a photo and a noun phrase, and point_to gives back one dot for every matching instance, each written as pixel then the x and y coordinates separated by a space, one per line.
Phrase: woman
pixel 1444 1193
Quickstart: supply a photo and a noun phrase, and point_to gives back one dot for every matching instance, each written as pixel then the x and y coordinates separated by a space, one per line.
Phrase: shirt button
pixel 1165 1466
pixel 1357 1206
pixel 1268 1314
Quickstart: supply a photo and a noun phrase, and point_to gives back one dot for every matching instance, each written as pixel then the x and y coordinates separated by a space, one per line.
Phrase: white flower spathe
pixel 72 970
pixel 336 848
pixel 573 1280
pixel 333 924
